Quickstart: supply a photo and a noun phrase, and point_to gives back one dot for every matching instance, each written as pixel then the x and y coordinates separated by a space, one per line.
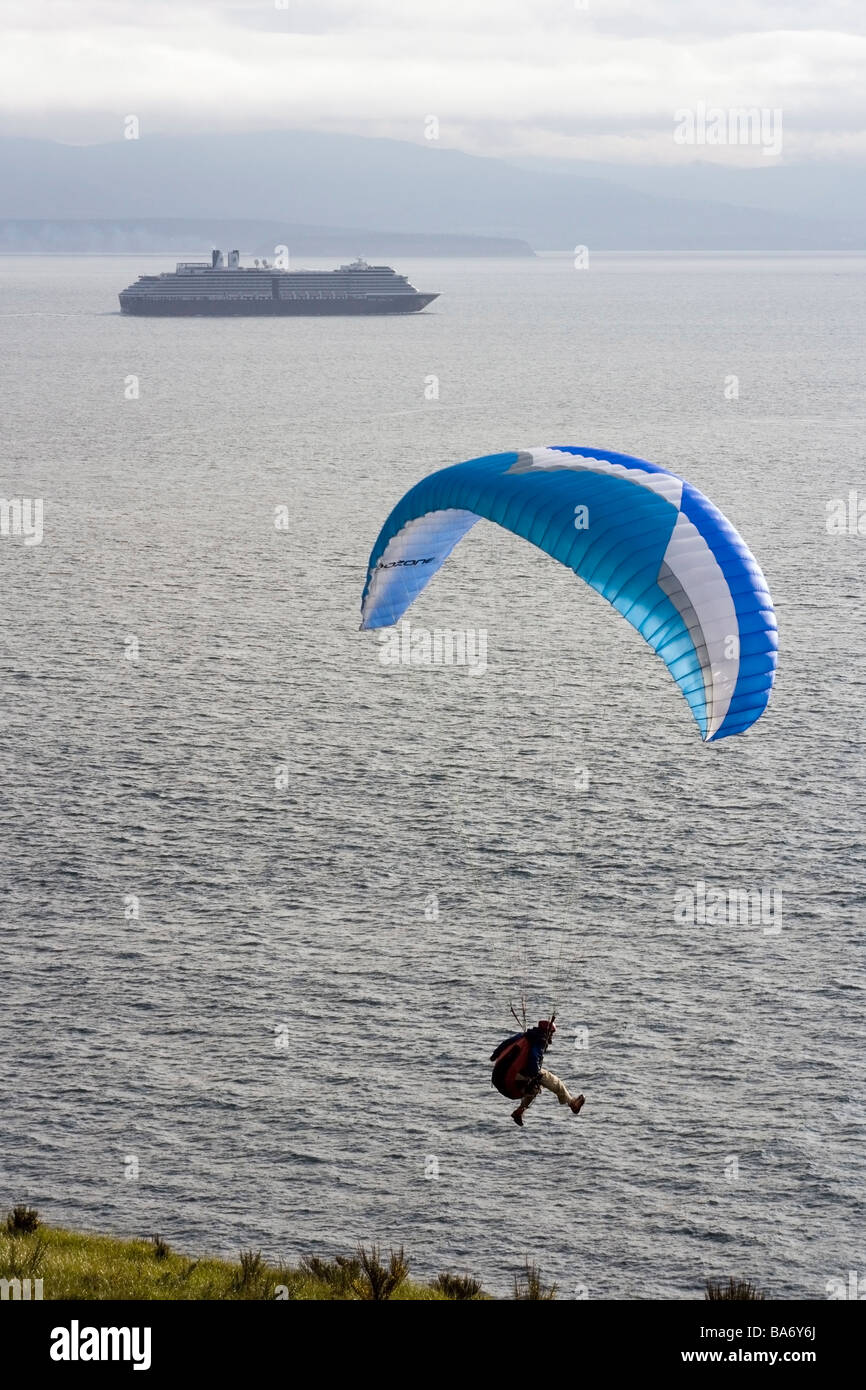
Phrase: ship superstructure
pixel 223 286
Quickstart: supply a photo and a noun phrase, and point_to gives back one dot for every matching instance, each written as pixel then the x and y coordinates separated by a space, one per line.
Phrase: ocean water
pixel 267 899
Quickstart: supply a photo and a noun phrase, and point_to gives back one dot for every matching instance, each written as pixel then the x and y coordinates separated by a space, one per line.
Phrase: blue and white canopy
pixel 647 540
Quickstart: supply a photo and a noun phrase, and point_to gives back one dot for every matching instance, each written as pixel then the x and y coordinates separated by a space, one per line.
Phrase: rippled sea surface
pixel 267 899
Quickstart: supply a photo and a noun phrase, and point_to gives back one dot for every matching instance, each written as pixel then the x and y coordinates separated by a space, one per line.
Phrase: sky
pixel 582 79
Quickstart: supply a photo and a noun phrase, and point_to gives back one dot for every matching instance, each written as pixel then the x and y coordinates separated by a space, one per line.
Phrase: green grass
pixel 102 1267
pixel 75 1266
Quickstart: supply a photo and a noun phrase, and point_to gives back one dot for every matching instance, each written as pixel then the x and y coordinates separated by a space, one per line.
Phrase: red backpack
pixel 512 1061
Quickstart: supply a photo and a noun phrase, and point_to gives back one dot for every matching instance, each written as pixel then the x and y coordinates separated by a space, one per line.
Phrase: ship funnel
pixel 216 259
pixel 234 259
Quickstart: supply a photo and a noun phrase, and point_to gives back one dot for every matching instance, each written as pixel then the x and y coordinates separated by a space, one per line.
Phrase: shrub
pixel 377 1282
pixel 341 1274
pixel 457 1286
pixel 530 1285
pixel 252 1266
pixel 253 1279
pixel 735 1289
pixel 22 1221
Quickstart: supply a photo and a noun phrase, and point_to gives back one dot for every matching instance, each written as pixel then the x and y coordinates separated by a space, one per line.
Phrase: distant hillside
pixel 327 181
pixel 151 234
pixel 833 192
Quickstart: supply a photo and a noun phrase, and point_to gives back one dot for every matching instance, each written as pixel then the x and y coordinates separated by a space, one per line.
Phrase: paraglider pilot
pixel 520 1075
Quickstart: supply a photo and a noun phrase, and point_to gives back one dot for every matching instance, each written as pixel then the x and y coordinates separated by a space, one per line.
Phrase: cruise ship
pixel 223 286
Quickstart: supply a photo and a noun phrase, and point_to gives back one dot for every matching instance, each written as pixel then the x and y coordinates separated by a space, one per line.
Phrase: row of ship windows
pixel 148 293
pixel 184 292
pixel 296 278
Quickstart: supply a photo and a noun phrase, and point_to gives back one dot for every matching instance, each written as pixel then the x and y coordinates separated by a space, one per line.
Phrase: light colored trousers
pixel 550 1082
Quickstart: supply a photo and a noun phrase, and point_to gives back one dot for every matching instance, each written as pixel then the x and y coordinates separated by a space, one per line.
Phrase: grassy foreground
pixel 77 1266
pixel 74 1266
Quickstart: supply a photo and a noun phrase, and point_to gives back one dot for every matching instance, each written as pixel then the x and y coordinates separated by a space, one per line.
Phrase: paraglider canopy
pixel 647 540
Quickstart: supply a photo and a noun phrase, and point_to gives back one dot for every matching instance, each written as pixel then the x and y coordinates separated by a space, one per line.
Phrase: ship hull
pixel 156 306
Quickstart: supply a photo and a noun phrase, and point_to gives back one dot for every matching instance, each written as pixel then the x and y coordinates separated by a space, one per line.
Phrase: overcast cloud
pixel 514 77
